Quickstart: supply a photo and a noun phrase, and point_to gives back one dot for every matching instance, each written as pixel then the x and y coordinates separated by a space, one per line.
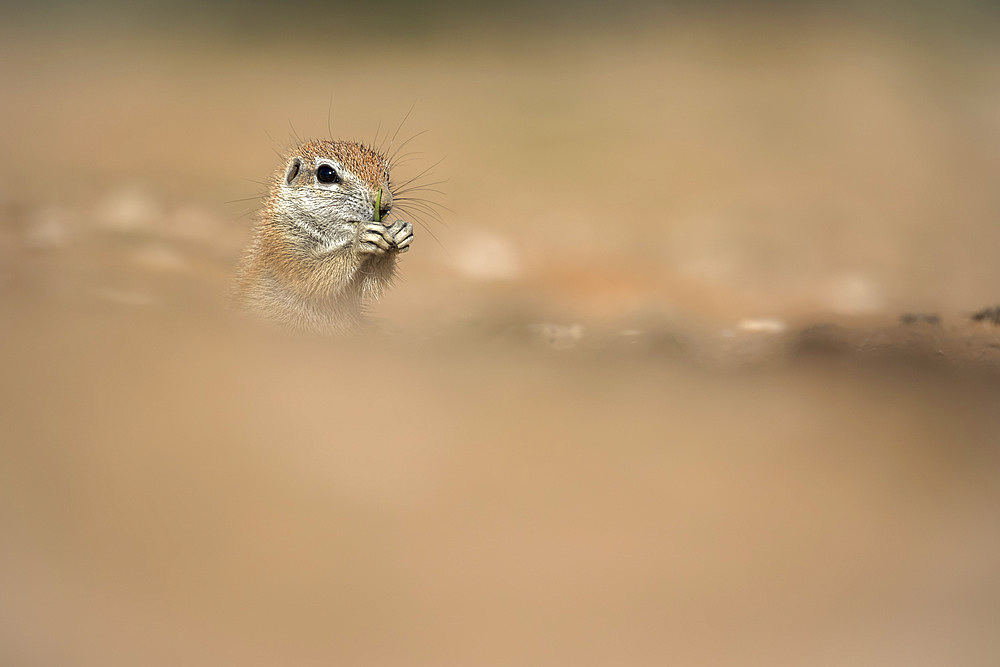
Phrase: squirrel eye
pixel 327 174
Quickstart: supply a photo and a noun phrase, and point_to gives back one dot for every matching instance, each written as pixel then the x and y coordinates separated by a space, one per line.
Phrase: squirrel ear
pixel 293 170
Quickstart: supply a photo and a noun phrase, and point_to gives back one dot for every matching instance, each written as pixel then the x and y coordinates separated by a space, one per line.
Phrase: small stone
pixel 987 315
pixel 854 294
pixel 487 256
pixel 919 318
pixel 49 228
pixel 129 210
pixel 768 325
pixel 557 336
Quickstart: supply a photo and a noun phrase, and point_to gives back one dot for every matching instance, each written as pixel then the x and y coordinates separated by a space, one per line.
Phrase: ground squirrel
pixel 321 248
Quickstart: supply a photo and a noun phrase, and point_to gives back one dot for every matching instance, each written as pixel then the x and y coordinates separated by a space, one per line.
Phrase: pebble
pixel 49 228
pixel 768 325
pixel 557 336
pixel 129 210
pixel 486 256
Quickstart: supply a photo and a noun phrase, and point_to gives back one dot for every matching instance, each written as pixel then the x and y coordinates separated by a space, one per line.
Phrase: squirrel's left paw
pixel 402 235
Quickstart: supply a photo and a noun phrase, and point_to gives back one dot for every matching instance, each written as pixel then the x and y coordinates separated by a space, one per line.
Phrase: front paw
pixel 374 238
pixel 402 235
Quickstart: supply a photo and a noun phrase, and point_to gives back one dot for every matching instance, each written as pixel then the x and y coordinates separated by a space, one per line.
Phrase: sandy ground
pixel 645 400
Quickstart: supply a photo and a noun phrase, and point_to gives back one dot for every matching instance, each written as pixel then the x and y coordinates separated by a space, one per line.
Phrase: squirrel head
pixel 325 187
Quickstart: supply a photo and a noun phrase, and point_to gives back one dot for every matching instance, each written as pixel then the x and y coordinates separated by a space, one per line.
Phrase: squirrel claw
pixel 402 235
pixel 374 239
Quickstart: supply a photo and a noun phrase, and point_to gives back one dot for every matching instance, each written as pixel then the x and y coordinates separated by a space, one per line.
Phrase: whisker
pixel 422 201
pixel 402 145
pixel 421 174
pixel 421 188
pixel 273 140
pixel 427 229
pixel 423 208
pixel 425 185
pixel 432 205
pixel 419 216
pixel 402 157
pixel 295 134
pixel 329 110
pixel 402 162
pixel 399 127
pixel 421 212
pixel 247 213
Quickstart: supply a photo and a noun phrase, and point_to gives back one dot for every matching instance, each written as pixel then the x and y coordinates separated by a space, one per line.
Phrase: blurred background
pixel 641 396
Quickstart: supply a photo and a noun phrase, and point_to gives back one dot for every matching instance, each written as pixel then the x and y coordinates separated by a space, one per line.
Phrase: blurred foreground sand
pixel 185 493
pixel 565 448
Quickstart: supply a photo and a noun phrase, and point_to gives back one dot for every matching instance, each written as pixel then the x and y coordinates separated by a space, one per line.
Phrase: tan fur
pixel 289 277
